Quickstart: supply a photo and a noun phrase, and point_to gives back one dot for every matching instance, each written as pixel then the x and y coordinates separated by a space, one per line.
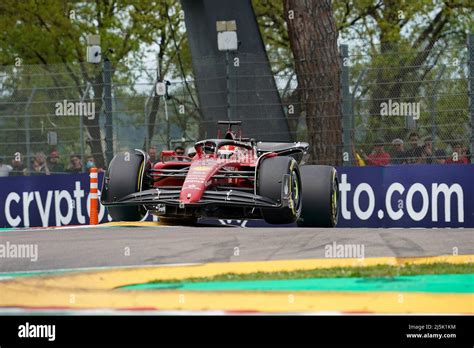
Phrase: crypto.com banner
pixel 407 196
pixel 55 200
pixel 395 196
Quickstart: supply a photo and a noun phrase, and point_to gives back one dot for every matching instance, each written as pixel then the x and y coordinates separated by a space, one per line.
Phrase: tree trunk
pixel 93 125
pixel 313 39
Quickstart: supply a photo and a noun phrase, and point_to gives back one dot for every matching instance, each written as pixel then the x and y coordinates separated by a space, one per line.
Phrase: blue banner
pixel 54 200
pixel 407 196
pixel 393 196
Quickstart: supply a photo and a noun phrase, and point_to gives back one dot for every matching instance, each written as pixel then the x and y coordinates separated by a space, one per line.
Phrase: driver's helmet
pixel 226 151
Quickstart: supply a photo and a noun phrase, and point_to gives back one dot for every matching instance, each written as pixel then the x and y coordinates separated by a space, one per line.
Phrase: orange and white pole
pixel 94 199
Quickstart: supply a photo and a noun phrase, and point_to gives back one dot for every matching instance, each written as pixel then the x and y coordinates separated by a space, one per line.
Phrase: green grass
pixel 338 272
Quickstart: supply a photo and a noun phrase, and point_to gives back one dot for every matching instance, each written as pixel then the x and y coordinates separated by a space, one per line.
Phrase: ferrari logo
pixel 200 168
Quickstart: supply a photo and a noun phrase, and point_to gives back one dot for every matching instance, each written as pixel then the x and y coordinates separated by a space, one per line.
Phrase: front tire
pixel 126 175
pixel 272 184
pixel 321 195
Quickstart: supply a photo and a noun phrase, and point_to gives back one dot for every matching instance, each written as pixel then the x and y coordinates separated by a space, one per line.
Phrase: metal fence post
pixel 352 103
pixel 147 121
pixel 434 106
pixel 81 126
pixel 27 133
pixel 109 134
pixel 470 88
pixel 348 157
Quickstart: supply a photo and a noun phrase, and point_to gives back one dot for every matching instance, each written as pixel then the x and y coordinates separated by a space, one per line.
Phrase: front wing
pixel 230 197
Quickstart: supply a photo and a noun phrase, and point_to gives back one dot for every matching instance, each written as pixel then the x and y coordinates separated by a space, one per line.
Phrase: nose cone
pixel 195 184
pixel 190 195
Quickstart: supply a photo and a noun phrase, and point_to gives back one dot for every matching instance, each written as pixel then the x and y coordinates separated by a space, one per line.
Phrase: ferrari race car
pixel 226 178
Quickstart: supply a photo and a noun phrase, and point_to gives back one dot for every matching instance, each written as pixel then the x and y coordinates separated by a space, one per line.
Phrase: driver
pixel 226 151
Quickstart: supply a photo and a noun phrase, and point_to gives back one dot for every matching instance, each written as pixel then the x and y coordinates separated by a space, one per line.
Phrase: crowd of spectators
pixel 41 164
pixel 418 151
pixel 415 151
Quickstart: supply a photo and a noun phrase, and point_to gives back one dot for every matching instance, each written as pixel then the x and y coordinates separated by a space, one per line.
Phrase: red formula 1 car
pixel 226 178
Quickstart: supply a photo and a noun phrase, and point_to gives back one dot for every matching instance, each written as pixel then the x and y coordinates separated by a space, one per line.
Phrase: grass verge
pixel 338 272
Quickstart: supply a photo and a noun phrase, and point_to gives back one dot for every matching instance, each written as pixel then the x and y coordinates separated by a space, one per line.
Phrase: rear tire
pixel 270 181
pixel 125 176
pixel 320 189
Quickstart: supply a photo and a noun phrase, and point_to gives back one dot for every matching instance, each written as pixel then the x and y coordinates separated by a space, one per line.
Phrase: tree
pixel 313 38
pixel 400 38
pixel 394 40
pixel 54 32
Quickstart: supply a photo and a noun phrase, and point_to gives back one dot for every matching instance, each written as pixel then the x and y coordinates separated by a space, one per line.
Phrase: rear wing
pixel 229 134
pixel 230 123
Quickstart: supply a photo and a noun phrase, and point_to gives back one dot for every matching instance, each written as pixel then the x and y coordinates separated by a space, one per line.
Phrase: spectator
pixel 427 153
pixel 18 168
pixel 458 156
pixel 152 153
pixel 179 151
pixel 90 162
pixel 414 153
pixel 53 164
pixel 378 156
pixel 398 155
pixel 39 165
pixel 5 169
pixel 75 164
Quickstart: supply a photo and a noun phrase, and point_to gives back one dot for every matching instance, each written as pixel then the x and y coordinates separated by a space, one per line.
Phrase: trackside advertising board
pixel 407 196
pixel 54 200
pixel 393 196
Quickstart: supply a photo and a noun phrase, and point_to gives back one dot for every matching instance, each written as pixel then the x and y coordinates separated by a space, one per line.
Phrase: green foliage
pixel 51 36
pixel 373 26
pixel 272 24
pixel 381 34
pixel 337 272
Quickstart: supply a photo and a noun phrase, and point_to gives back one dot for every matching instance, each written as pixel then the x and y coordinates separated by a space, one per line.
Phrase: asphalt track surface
pixel 92 247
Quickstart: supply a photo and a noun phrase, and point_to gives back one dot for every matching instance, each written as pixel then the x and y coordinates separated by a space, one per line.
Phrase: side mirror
pixel 167 154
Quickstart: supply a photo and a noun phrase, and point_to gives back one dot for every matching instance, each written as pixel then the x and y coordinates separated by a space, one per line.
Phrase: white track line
pixel 101 268
pixel 79 227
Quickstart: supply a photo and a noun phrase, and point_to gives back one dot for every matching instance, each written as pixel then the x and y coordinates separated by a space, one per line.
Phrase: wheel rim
pixel 295 192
